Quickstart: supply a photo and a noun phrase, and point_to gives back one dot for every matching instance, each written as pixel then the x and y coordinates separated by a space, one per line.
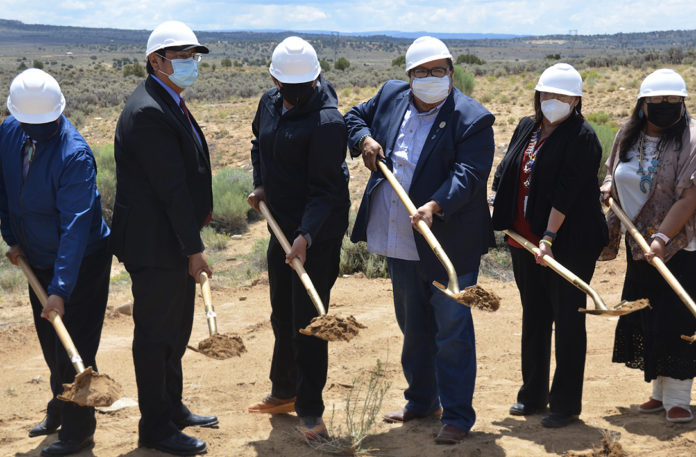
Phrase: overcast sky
pixel 522 17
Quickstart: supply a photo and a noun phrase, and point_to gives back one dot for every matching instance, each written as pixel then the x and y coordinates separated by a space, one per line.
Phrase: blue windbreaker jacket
pixel 55 214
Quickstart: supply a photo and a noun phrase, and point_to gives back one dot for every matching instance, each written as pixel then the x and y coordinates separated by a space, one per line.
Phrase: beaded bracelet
pixel 607 179
pixel 546 241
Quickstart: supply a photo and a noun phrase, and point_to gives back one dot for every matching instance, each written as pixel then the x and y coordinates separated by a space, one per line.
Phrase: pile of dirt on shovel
pixel 91 389
pixel 478 297
pixel 222 346
pixel 330 327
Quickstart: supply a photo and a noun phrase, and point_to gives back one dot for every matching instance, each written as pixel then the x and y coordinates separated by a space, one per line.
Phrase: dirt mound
pixel 222 346
pixel 91 389
pixel 329 327
pixel 478 297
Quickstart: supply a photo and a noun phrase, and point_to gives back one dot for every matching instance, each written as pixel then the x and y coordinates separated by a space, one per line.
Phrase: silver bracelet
pixel 661 236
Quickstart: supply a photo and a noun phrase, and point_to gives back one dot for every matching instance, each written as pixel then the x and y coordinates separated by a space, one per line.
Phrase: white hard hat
pixel 663 82
pixel 171 34
pixel 562 79
pixel 294 61
pixel 425 49
pixel 35 97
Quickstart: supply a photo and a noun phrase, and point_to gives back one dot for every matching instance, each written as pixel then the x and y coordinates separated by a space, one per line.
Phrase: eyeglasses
pixel 665 98
pixel 194 57
pixel 438 72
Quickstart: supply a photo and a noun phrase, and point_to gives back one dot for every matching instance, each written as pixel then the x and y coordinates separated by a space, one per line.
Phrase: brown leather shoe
pixel 405 415
pixel 449 434
pixel 273 405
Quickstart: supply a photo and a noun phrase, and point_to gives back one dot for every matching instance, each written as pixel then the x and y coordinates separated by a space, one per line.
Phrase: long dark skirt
pixel 650 339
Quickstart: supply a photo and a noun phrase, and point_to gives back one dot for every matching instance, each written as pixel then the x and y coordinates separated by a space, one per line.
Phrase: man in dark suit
pixel 163 199
pixel 439 144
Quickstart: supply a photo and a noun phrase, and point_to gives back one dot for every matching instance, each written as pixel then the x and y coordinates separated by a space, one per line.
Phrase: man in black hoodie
pixel 298 154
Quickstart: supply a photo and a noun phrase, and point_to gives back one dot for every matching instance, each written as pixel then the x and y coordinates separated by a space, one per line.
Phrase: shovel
pixel 474 296
pixel 329 328
pixel 218 345
pixel 657 262
pixel 90 388
pixel 601 308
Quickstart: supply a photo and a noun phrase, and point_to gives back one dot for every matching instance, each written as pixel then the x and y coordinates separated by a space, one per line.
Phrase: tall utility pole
pixel 335 37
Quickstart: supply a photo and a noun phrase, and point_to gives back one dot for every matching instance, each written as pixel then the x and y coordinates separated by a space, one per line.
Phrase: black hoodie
pixel 299 159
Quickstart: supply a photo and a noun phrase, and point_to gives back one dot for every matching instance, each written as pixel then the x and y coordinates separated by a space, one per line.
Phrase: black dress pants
pixel 163 303
pixel 549 301
pixel 84 317
pixel 300 362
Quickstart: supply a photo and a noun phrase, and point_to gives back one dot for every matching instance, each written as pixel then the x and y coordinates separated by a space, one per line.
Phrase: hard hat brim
pixel 36 118
pixel 555 90
pixel 183 46
pixel 657 93
pixel 294 79
pixel 426 60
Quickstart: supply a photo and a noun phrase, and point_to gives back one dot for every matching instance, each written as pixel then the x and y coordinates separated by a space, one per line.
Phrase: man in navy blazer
pixel 439 144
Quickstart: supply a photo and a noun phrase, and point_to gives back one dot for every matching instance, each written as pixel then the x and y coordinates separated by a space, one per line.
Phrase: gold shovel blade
pixel 623 308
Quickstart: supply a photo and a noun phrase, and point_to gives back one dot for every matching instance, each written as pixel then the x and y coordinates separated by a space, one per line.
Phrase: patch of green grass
pixel 606 135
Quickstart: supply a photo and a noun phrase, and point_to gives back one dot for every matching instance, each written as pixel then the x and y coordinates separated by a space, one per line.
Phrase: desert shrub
pixel 134 69
pixel 399 61
pixel 356 259
pixel 37 64
pixel 606 134
pixel 553 57
pixel 213 240
pixel 325 66
pixel 599 118
pixel 464 81
pixel 342 64
pixel 497 262
pixel 469 59
pixel 226 62
pixel 230 190
pixel 106 179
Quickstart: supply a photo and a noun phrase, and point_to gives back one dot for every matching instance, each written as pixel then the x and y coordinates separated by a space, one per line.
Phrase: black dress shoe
pixel 67 447
pixel 194 420
pixel 520 409
pixel 558 420
pixel 178 444
pixel 49 425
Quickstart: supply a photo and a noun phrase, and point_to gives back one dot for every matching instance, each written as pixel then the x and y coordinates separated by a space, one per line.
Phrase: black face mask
pixel 297 94
pixel 41 132
pixel 664 114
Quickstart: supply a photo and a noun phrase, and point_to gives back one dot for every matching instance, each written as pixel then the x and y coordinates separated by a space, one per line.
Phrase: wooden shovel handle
pixel 53 317
pixel 297 265
pixel 657 262
pixel 560 269
pixel 453 285
pixel 208 303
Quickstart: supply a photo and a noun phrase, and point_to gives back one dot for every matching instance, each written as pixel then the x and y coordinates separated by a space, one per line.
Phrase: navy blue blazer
pixel 453 170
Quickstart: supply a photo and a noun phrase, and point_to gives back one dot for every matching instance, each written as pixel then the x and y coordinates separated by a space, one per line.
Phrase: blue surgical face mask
pixel 41 132
pixel 185 72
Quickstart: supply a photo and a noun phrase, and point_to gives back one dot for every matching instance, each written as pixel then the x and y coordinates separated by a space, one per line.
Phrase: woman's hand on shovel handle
pixel 258 195
pixel 370 151
pixel 657 249
pixel 54 303
pixel 544 250
pixel 297 251
pixel 197 264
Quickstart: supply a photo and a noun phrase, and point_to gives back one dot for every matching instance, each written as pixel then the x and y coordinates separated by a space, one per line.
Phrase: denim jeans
pixel 439 351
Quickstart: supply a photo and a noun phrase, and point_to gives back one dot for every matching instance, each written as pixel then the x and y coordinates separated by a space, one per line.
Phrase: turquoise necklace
pixel 646 179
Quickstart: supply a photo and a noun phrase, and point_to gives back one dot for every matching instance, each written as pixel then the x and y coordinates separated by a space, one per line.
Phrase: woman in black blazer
pixel 546 189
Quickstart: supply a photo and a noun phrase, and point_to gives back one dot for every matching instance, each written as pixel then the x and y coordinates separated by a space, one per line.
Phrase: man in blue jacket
pixel 50 214
pixel 439 144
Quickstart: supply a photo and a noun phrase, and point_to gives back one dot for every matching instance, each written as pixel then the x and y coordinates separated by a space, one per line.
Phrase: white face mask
pixel 554 110
pixel 431 89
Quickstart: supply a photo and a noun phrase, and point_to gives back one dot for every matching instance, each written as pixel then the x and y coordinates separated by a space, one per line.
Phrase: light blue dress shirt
pixel 389 231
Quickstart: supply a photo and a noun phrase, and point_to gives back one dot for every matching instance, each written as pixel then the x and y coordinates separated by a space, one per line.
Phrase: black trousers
pixel 163 302
pixel 84 317
pixel 549 301
pixel 300 362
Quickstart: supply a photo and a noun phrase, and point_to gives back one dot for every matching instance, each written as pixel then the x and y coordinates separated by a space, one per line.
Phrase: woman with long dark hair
pixel 652 170
pixel 546 190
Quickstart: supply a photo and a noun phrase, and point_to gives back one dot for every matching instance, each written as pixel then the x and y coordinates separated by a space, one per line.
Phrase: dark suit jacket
pixel 452 170
pixel 564 177
pixel 164 184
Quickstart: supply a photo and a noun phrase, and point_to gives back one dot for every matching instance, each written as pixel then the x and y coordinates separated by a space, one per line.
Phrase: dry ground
pixel 225 388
